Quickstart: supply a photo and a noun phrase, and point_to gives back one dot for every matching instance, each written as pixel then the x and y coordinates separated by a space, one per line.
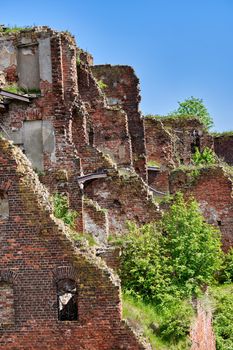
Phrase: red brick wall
pixel 109 124
pixel 122 88
pixel 35 253
pixel 202 336
pixel 212 188
pixel 126 197
pixel 223 147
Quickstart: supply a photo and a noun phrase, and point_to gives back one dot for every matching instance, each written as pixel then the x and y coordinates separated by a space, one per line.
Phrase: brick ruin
pixel 76 129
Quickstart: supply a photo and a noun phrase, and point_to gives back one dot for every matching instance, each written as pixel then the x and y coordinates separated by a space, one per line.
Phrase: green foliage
pixel 206 157
pixel 142 270
pixel 175 322
pixel 14 29
pixel 191 247
pixel 61 209
pixel 180 261
pixel 194 107
pixel 15 89
pixel 167 263
pixel 102 85
pixel 152 323
pixel 153 163
pixel 226 272
pixel 83 238
pixel 223 316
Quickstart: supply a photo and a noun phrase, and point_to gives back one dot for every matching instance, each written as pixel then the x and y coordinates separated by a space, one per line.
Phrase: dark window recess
pixel 91 137
pixel 67 300
pixel 196 142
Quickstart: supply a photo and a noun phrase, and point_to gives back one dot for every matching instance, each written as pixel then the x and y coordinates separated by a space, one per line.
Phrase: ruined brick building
pixel 77 130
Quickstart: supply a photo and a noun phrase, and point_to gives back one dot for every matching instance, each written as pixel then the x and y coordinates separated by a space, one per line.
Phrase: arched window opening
pixel 67 300
pixel 4 205
pixel 91 136
pixel 195 141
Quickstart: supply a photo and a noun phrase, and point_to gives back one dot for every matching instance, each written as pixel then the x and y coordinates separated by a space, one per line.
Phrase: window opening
pixel 67 300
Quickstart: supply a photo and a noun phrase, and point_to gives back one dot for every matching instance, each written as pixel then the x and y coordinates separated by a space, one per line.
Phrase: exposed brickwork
pixel 202 335
pixel 122 88
pixel 169 143
pixel 95 220
pixel 212 187
pixel 126 197
pixel 111 256
pixel 109 124
pixel 223 147
pixel 39 251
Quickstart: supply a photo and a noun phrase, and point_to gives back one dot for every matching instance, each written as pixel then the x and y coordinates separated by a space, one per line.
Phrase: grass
pixel 15 89
pixel 146 320
pixel 14 29
pixel 153 163
pixel 222 134
pixel 83 238
pixel 171 117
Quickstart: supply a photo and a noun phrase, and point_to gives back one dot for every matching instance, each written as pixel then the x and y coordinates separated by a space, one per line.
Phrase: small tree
pixel 192 247
pixel 176 258
pixel 194 107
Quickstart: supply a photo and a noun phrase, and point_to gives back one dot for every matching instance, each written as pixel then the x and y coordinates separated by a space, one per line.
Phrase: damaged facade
pixel 78 126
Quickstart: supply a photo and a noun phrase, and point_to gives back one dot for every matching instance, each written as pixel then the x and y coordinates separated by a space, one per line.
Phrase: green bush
pixel 223 317
pixel 206 157
pixel 170 262
pixel 175 321
pixel 226 272
pixel 61 209
pixel 142 268
pixel 192 247
pixel 178 257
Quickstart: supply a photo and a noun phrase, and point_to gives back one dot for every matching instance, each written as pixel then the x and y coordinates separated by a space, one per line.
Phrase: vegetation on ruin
pixel 222 134
pixel 146 319
pixel 101 84
pixel 223 316
pixel 83 238
pixel 153 163
pixel 169 263
pixel 205 157
pixel 15 89
pixel 61 209
pixel 190 108
pixel 14 29
pixel 195 107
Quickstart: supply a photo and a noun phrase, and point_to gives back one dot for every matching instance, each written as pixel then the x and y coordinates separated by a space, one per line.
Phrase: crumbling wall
pixel 126 197
pixel 36 253
pixel 202 335
pixel 109 125
pixel 95 221
pixel 43 128
pixel 122 89
pixel 223 147
pixel 212 188
pixel 171 142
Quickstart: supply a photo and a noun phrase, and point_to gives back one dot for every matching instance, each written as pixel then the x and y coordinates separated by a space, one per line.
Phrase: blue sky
pixel 178 48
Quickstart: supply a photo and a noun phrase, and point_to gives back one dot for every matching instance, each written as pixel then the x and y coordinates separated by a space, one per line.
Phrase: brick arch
pixel 8 276
pixel 62 272
pixel 5 185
